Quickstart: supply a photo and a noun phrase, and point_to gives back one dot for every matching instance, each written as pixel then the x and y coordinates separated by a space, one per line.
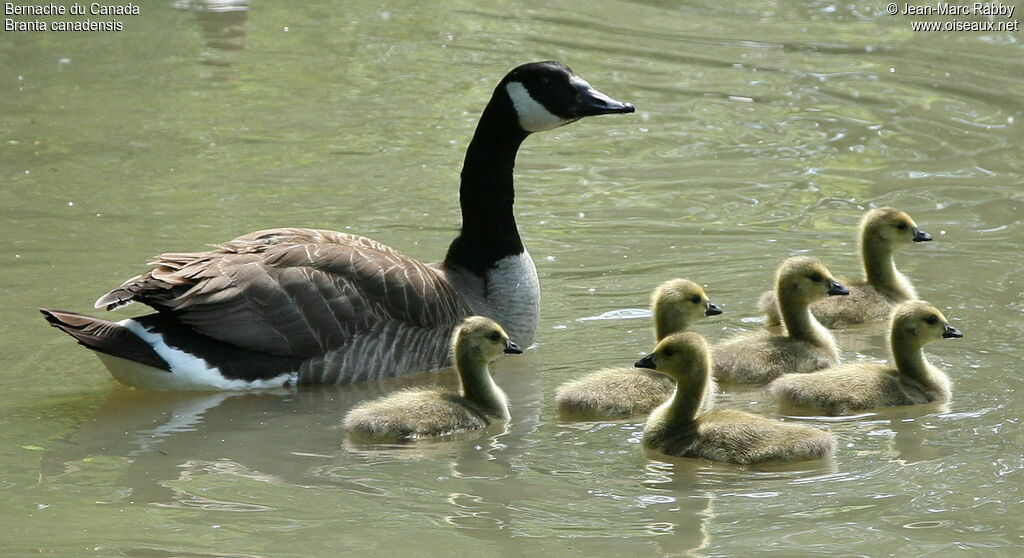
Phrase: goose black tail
pixel 104 337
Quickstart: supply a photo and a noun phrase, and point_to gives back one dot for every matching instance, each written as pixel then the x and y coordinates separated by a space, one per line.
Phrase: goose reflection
pixel 157 443
pixel 684 510
pixel 222 23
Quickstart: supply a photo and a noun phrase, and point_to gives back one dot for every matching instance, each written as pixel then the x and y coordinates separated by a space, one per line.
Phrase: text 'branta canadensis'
pixel 909 380
pixel 421 413
pixel 882 231
pixel 679 428
pixel 762 356
pixel 285 306
pixel 629 392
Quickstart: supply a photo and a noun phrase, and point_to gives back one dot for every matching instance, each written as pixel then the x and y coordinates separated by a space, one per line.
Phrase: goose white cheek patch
pixel 533 117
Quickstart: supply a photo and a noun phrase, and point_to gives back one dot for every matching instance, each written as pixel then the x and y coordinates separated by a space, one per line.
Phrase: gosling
pixel 910 381
pixel 762 356
pixel 882 231
pixel 425 413
pixel 616 393
pixel 679 428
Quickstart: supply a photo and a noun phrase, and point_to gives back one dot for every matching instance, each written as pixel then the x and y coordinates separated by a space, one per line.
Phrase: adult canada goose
pixel 421 413
pixel 762 356
pixel 882 231
pixel 679 427
pixel 910 380
pixel 628 392
pixel 285 306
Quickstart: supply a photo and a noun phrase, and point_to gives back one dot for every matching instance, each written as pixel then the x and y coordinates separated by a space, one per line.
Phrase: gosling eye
pixel 932 320
pixel 902 226
pixel 816 277
pixel 668 353
pixel 494 336
pixel 695 299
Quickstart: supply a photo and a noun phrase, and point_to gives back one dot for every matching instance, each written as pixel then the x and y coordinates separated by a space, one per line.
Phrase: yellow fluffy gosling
pixel 679 428
pixel 909 381
pixel 421 413
pixel 630 392
pixel 762 356
pixel 882 231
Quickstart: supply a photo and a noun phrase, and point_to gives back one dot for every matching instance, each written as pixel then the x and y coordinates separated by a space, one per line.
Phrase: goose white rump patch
pixel 188 372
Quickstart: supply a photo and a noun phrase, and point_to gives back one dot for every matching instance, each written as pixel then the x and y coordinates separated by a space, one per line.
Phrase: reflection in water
pixel 907 428
pixel 913 433
pixel 686 509
pixel 193 470
pixel 686 490
pixel 223 26
pixel 172 445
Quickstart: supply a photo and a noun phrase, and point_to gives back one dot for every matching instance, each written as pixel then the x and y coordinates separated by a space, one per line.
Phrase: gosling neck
pixel 908 355
pixel 478 387
pixel 667 322
pixel 800 324
pixel 486 194
pixel 688 398
pixel 880 270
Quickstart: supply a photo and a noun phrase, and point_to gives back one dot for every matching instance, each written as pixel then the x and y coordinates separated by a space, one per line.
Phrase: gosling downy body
pixel 425 413
pixel 882 231
pixel 679 428
pixel 285 306
pixel 629 392
pixel 806 346
pixel 909 380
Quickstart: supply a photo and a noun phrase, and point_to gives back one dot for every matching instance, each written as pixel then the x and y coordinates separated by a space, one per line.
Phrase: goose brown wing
pixel 294 292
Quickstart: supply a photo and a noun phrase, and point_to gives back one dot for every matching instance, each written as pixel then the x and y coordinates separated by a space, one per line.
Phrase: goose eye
pixel 902 226
pixel 494 336
pixel 816 277
pixel 695 299
pixel 932 320
pixel 668 353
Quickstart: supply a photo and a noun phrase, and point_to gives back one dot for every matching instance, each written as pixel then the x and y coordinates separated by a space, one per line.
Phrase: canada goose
pixel 285 306
pixel 679 428
pixel 909 381
pixel 881 232
pixel 762 356
pixel 422 413
pixel 627 392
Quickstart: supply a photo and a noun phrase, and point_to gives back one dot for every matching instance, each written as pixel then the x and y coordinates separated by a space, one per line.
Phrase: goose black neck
pixel 489 231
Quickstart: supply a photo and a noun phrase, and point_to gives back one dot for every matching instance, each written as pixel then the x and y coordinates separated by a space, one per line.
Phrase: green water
pixel 763 129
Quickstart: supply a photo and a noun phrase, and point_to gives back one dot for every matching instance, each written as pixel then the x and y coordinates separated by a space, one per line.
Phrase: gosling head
pixel 891 228
pixel 482 339
pixel 682 301
pixel 546 95
pixel 921 323
pixel 806 279
pixel 681 356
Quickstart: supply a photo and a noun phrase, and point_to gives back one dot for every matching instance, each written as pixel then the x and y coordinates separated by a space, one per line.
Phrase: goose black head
pixel 546 95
